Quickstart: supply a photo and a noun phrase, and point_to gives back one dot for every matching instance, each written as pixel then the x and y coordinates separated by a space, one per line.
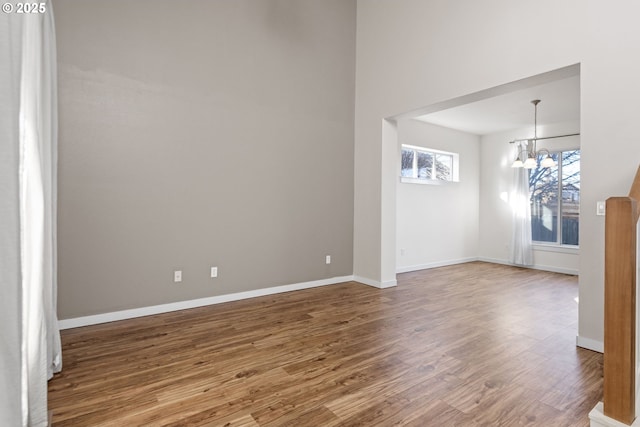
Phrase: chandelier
pixel 528 152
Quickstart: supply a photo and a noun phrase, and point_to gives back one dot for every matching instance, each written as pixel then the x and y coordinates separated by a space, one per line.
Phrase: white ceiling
pixel 560 102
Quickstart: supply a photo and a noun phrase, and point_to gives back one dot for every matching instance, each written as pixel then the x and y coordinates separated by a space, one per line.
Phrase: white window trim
pixel 425 181
pixel 556 247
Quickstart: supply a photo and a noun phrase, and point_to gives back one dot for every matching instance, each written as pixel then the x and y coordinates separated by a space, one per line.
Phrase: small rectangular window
pixel 426 165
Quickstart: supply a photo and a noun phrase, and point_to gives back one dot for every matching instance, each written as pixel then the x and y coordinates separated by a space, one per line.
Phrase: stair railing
pixel 620 305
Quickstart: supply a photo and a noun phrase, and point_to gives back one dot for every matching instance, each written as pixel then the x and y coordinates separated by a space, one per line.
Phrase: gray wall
pixel 198 134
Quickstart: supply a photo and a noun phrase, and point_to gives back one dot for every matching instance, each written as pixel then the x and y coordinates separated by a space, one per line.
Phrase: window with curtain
pixel 555 200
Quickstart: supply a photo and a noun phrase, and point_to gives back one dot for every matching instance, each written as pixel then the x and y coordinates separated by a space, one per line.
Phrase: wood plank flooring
pixel 474 344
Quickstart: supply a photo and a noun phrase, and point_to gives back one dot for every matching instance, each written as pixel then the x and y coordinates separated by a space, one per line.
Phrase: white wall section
pixel 438 223
pixel 495 211
pixel 412 54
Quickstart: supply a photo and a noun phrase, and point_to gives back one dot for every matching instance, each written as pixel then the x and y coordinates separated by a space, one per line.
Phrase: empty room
pixel 318 213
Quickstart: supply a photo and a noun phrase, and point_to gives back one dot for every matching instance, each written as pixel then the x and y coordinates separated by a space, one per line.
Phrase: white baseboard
pixel 590 344
pixel 599 419
pixel 571 271
pixel 182 305
pixel 426 266
pixel 375 283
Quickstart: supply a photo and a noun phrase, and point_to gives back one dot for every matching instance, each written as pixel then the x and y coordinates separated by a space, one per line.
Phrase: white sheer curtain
pixel 34 143
pixel 521 246
pixel 10 311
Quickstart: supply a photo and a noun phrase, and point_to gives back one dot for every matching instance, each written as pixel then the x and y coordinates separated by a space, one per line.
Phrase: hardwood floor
pixel 474 344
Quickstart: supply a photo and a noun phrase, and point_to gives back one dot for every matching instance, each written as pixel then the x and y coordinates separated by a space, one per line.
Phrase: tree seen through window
pixel 555 200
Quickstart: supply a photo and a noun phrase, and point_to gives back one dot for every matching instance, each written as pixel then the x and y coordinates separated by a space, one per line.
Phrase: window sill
pixel 563 249
pixel 408 180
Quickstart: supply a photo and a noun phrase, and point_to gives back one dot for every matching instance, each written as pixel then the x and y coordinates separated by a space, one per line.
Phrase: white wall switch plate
pixel 177 276
pixel 214 271
pixel 601 208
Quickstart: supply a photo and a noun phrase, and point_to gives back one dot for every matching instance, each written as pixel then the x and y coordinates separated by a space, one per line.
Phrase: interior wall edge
pixel 590 344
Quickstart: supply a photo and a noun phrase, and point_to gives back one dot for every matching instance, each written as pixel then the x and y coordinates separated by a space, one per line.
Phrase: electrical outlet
pixel 327 259
pixel 177 276
pixel 402 252
pixel 214 272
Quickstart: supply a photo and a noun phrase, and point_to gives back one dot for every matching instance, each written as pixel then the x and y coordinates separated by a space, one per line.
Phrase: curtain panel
pixel 521 242
pixel 10 277
pixel 31 350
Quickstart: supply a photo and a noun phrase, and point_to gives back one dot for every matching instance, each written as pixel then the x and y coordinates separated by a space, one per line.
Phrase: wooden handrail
pixel 620 305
